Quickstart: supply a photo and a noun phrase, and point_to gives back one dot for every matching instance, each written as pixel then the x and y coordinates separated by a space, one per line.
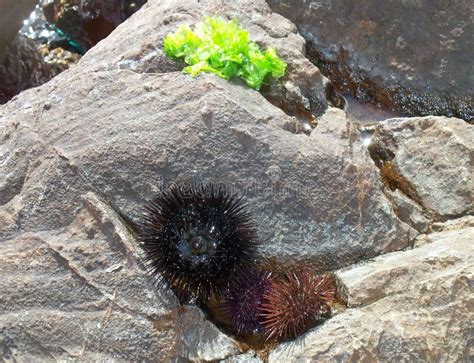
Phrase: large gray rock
pixel 105 135
pixel 430 160
pixel 80 292
pixel 124 134
pixel 412 56
pixel 409 306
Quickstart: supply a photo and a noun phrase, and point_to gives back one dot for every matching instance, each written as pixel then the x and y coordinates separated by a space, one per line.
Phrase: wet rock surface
pixel 42 50
pixel 107 134
pixel 413 57
pixel 24 63
pixel 21 64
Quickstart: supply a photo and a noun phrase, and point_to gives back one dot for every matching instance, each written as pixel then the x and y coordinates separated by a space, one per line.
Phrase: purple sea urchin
pixel 296 303
pixel 244 298
pixel 195 239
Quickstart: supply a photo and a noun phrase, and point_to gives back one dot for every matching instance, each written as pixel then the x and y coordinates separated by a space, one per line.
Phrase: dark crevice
pixel 296 127
pixel 347 81
pixel 305 119
pixel 306 105
pixel 212 309
pixel 334 97
pixel 393 180
pixel 391 177
pixel 12 189
pixel 339 73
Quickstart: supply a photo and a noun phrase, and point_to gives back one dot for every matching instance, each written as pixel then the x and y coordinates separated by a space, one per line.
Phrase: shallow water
pixel 364 113
pixel 35 26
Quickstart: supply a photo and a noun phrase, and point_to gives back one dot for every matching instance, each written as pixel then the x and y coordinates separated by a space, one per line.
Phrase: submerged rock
pixel 43 33
pixel 43 50
pixel 24 63
pixel 413 57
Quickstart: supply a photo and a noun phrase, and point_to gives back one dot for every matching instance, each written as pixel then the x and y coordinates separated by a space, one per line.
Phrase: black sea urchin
pixel 197 238
pixel 244 298
pixel 296 303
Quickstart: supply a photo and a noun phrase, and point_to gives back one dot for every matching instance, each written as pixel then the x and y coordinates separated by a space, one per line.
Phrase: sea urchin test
pixel 295 303
pixel 197 239
pixel 223 48
pixel 243 300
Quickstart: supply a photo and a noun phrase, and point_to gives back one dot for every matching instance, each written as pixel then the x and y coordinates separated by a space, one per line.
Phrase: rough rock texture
pixel 106 134
pixel 244 358
pixel 413 56
pixel 122 134
pixel 80 292
pixel 409 306
pixel 431 161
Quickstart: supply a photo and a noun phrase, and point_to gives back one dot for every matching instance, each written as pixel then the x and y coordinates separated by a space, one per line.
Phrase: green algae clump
pixel 225 49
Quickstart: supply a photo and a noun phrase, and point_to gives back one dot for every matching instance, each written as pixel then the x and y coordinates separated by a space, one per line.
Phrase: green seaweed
pixel 225 49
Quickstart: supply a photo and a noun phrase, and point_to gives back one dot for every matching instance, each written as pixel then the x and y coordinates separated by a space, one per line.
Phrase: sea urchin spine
pixel 244 298
pixel 296 303
pixel 196 238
